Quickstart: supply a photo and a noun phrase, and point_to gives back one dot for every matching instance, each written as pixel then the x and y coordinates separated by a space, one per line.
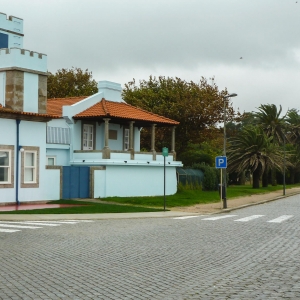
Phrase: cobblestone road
pixel 183 258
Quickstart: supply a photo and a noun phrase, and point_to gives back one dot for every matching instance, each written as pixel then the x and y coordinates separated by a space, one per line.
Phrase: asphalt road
pixel 251 253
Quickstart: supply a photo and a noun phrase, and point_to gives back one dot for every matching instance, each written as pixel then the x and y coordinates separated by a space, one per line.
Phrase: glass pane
pixel 4 158
pixel 29 159
pixel 50 161
pixel 3 174
pixel 28 175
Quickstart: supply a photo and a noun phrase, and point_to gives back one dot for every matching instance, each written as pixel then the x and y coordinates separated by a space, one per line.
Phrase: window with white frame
pixel 126 139
pixel 51 160
pixel 88 137
pixel 30 167
pixel 6 166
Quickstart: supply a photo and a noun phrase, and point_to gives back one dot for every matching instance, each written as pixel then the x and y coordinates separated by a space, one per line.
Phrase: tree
pixel 268 117
pixel 71 83
pixel 197 106
pixel 253 150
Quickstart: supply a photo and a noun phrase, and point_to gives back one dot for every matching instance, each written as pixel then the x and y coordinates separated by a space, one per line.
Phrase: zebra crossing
pixel 15 226
pixel 235 218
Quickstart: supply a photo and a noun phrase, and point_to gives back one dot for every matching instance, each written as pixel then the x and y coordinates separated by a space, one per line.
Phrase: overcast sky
pixel 250 47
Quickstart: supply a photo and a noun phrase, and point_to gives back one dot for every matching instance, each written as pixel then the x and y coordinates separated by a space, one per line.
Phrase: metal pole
pixel 224 200
pixel 164 183
pixel 284 165
pixel 221 188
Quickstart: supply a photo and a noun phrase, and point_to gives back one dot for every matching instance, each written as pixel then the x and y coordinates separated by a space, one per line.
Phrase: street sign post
pixel 221 163
pixel 165 153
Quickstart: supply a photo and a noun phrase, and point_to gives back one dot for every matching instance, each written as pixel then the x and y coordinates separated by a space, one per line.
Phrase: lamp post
pixel 284 164
pixel 224 149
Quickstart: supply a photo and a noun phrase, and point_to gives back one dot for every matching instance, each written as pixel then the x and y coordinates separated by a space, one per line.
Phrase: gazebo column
pixel 173 143
pixel 153 141
pixel 106 150
pixel 131 146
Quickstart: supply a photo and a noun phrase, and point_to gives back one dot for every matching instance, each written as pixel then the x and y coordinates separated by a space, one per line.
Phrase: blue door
pixel 76 182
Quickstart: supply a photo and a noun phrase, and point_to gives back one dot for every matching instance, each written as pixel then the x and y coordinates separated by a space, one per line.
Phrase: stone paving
pixel 163 258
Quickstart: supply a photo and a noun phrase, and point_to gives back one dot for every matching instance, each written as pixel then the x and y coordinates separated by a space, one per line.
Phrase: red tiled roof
pixel 6 110
pixel 122 110
pixel 54 105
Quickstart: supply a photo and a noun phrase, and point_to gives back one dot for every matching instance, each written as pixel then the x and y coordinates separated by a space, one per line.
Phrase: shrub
pixel 210 181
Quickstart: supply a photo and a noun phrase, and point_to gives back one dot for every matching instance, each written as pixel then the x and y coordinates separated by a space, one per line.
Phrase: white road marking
pixel 249 218
pixel 219 217
pixel 86 221
pixel 9 230
pixel 19 226
pixel 281 219
pixel 56 222
pixel 187 217
pixel 29 223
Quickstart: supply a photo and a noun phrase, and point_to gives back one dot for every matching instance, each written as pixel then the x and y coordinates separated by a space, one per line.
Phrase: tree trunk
pixel 242 180
pixel 274 181
pixel 256 176
pixel 265 178
pixel 292 176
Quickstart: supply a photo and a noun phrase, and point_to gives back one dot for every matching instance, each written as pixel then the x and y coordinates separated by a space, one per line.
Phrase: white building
pixel 72 147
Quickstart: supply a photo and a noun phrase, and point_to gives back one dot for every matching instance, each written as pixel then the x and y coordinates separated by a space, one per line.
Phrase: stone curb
pixel 255 203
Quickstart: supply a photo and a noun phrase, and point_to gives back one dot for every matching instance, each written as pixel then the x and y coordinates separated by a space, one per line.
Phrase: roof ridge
pixel 146 111
pixel 103 102
pixel 65 98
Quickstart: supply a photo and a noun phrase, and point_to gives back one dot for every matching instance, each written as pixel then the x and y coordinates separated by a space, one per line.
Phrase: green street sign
pixel 165 151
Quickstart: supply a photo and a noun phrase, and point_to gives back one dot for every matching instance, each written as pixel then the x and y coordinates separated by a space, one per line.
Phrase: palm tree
pixel 293 136
pixel 253 150
pixel 269 119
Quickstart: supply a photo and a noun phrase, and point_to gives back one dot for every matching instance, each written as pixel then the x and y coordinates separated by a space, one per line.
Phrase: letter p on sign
pixel 221 162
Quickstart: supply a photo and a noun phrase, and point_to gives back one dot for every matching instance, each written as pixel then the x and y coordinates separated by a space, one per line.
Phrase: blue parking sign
pixel 221 162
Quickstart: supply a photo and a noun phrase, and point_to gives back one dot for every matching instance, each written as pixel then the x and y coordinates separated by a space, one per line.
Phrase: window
pixel 30 167
pixel 126 139
pixel 113 134
pixel 6 166
pixel 51 160
pixel 87 137
pixel 58 135
pixel 3 40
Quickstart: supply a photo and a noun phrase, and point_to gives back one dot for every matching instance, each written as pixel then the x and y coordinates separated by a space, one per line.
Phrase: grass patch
pixel 192 197
pixel 184 197
pixel 87 208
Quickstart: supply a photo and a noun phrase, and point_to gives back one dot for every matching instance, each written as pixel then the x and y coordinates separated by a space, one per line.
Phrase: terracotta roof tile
pixel 54 105
pixel 6 110
pixel 123 110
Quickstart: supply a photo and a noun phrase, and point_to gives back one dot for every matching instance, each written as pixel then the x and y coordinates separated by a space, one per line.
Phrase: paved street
pixel 251 253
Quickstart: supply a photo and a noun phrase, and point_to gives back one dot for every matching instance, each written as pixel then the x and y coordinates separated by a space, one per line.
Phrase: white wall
pixel 31 87
pixel 126 181
pixel 2 88
pixel 31 134
pixel 15 25
pixel 16 59
pixel 62 156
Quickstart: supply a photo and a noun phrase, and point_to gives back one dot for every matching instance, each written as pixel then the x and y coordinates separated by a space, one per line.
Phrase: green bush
pixel 189 186
pixel 210 181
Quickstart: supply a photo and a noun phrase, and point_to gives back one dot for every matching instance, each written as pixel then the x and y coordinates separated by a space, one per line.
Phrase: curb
pixel 256 203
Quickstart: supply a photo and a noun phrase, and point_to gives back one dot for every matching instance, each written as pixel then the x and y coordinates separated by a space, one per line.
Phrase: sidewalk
pixel 201 209
pixel 236 203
